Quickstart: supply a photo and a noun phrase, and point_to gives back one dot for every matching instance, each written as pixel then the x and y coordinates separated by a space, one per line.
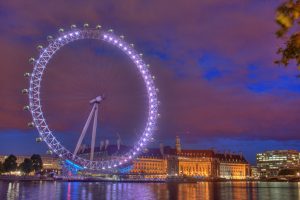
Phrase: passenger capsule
pixel 25 91
pixel 49 152
pixel 30 124
pixel 26 108
pixel 27 74
pixel 39 139
pixel 39 47
pixel 61 30
pixel 31 60
pixel 49 38
pixel 73 26
pixel 98 26
pixel 85 25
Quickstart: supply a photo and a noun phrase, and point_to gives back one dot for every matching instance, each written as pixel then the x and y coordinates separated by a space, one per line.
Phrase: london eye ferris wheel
pixel 40 119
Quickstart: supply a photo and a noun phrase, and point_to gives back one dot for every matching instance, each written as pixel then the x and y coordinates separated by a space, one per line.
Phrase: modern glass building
pixel 269 163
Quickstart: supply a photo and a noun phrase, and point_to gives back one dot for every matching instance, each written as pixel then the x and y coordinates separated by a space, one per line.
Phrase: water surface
pixel 203 190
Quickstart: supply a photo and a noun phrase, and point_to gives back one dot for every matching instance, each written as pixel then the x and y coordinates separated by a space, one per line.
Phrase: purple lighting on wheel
pixel 36 107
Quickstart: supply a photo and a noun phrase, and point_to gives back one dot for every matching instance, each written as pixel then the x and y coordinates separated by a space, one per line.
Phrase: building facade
pixel 254 173
pixel 232 166
pixel 151 167
pixel 166 161
pixel 194 163
pixel 269 163
pixel 201 163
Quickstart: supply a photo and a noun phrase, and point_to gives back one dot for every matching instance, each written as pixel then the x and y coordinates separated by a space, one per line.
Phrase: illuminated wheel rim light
pixel 35 107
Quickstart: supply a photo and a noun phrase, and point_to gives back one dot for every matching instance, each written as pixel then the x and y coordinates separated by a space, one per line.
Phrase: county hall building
pixel 196 163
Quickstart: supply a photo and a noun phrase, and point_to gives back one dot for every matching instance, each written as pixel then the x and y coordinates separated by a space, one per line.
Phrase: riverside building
pixel 269 163
pixel 165 161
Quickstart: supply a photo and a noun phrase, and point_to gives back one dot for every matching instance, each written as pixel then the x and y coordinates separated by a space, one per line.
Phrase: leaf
pixel 296 14
pixel 284 20
pixel 288 19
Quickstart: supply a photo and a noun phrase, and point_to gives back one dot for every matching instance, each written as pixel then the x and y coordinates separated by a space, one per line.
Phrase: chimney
pixel 241 154
pixel 101 144
pixel 161 148
pixel 106 144
pixel 80 149
pixel 178 145
pixel 119 142
pixel 83 148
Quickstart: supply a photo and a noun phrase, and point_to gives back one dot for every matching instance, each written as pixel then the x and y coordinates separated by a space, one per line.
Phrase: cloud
pixel 199 51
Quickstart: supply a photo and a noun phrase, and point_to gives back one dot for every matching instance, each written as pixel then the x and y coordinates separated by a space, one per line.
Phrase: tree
pixel 26 166
pixel 1 168
pixel 37 162
pixel 10 163
pixel 288 19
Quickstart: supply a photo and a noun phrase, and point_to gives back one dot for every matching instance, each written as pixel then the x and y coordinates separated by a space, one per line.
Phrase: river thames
pixel 101 190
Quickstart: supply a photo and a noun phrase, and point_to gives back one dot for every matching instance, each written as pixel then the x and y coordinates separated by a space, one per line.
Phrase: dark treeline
pixel 32 164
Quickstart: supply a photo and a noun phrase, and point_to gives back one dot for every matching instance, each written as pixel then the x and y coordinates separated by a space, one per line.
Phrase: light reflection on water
pixel 202 190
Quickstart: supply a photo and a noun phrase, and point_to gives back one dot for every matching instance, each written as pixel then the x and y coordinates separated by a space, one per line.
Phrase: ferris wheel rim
pixel 35 106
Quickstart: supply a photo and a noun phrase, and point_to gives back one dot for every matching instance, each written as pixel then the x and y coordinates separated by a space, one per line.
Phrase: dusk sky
pixel 213 62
